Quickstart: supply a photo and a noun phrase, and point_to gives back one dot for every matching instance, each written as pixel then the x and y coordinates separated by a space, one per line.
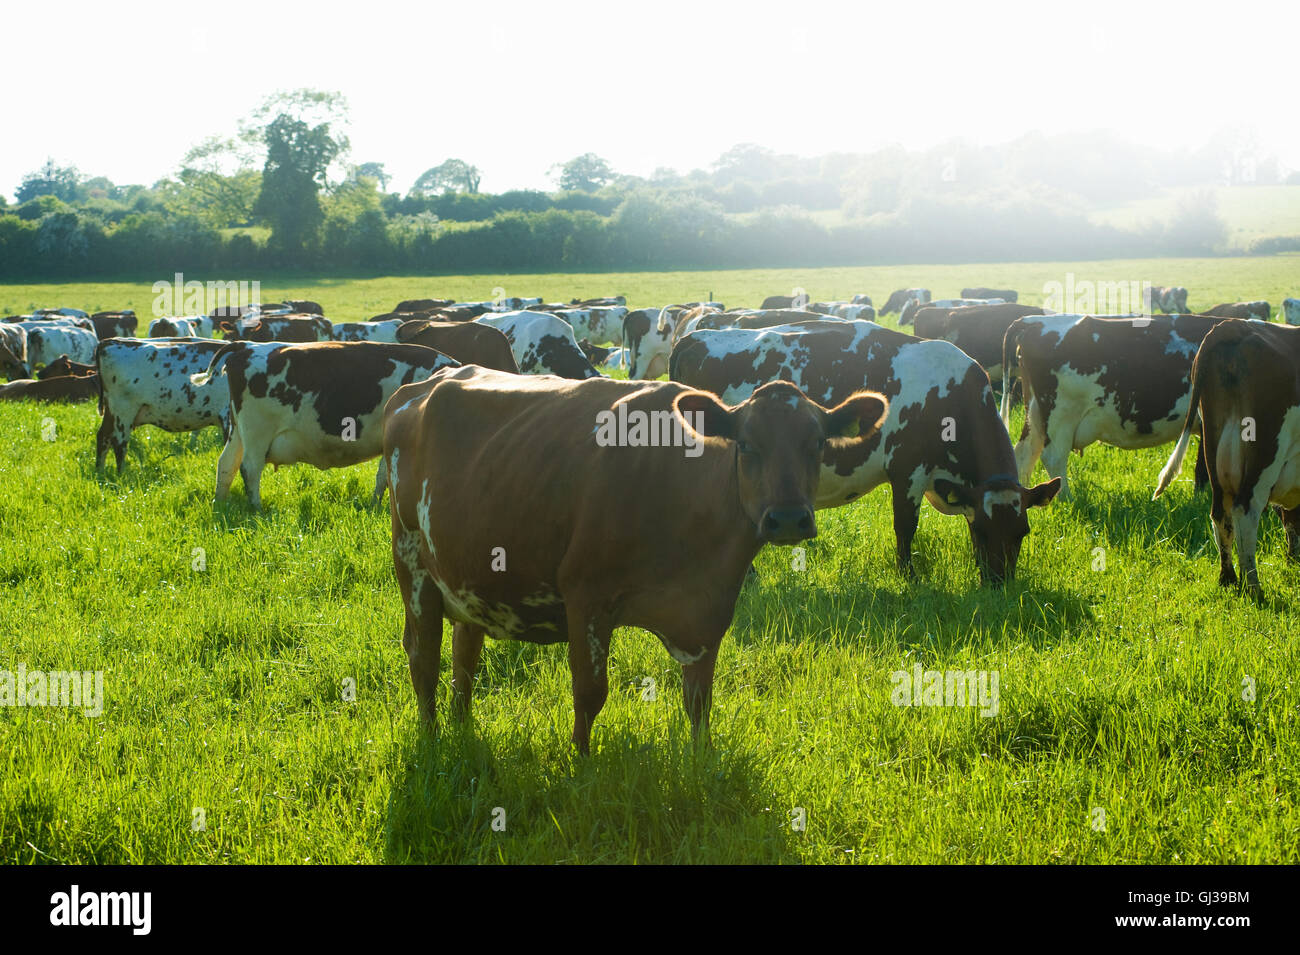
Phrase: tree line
pixel 283 193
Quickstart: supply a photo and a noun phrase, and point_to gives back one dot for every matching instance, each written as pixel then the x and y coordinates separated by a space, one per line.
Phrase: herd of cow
pixel 487 419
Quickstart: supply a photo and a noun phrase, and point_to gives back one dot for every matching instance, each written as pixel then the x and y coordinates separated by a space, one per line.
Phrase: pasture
pixel 255 681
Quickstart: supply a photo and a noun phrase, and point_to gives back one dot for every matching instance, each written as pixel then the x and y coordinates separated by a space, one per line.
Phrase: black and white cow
pixel 46 341
pixel 385 331
pixel 902 296
pixel 942 439
pixel 542 343
pixel 13 352
pixel 149 381
pixel 1291 311
pixel 1120 381
pixel 597 324
pixel 320 403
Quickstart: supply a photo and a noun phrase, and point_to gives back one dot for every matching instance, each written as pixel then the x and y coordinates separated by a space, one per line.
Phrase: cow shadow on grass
pixel 524 795
pixel 895 612
pixel 1129 517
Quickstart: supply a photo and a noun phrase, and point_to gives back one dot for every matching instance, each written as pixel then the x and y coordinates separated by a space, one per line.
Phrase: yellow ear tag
pixel 952 498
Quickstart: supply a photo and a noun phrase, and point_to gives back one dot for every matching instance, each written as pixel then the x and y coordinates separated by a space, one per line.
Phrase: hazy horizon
pixel 516 89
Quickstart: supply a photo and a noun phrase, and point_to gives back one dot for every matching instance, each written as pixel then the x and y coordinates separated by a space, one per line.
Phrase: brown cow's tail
pixel 1010 361
pixel 217 365
pixel 1222 334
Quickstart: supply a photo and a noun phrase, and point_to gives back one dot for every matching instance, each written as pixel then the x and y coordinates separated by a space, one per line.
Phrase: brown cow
pixel 977 330
pixel 1260 310
pixel 469 343
pixel 423 304
pixel 290 327
pixel 121 324
pixel 65 367
pixel 1246 390
pixel 567 568
pixel 66 388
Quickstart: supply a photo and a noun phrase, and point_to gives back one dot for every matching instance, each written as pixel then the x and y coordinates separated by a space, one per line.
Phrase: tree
pixel 745 161
pixel 218 182
pixel 454 175
pixel 371 170
pixel 50 180
pixel 297 158
pixel 585 173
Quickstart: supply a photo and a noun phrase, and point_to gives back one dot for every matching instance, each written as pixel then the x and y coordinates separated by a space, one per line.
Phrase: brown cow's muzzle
pixel 787 525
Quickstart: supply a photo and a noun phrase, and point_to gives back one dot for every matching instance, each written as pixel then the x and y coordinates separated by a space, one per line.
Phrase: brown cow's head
pixel 779 436
pixel 997 513
pixel 11 366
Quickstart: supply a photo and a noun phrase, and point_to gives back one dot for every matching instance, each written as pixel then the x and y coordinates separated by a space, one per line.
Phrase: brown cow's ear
pixel 1041 494
pixel 704 414
pixel 955 495
pixel 856 418
pixel 226 326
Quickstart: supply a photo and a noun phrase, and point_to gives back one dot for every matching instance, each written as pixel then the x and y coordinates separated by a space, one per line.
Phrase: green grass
pixel 1208 280
pixel 1120 689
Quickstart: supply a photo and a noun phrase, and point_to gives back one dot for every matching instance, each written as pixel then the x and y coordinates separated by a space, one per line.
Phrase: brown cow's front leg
pixel 697 692
pixel 422 631
pixel 907 514
pixel 588 653
pixel 466 645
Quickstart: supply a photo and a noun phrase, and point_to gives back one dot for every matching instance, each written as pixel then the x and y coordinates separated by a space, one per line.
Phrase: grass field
pixel 1145 715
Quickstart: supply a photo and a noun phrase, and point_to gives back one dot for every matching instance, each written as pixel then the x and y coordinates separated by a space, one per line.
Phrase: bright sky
pixel 514 87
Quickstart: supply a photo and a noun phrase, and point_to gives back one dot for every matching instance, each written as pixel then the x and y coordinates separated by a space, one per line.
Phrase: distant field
pixel 1251 212
pixel 1209 281
pixel 1125 732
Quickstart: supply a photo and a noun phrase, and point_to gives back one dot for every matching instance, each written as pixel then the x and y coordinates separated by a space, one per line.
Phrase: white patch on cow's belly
pixel 1082 398
pixel 681 656
pixel 464 606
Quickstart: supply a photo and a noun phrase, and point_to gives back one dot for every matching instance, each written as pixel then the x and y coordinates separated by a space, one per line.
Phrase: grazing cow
pixel 366 331
pixel 64 367
pixel 1120 381
pixel 978 330
pixel 468 342
pixel 901 297
pixel 607 301
pixel 617 358
pixel 46 341
pixel 1246 391
pixel 423 304
pixel 48 317
pixel 121 324
pixel 173 328
pixel 304 306
pixel 861 299
pixel 648 343
pixel 849 311
pixel 1172 299
pixel 908 314
pixel 68 388
pixel 597 324
pixel 1291 311
pixel 1259 310
pixel 75 313
pixel 320 403
pixel 942 439
pixel 278 328
pixel 671 559
pixel 1008 295
pixel 596 354
pixel 13 351
pixel 785 301
pixel 149 381
pixel 542 344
